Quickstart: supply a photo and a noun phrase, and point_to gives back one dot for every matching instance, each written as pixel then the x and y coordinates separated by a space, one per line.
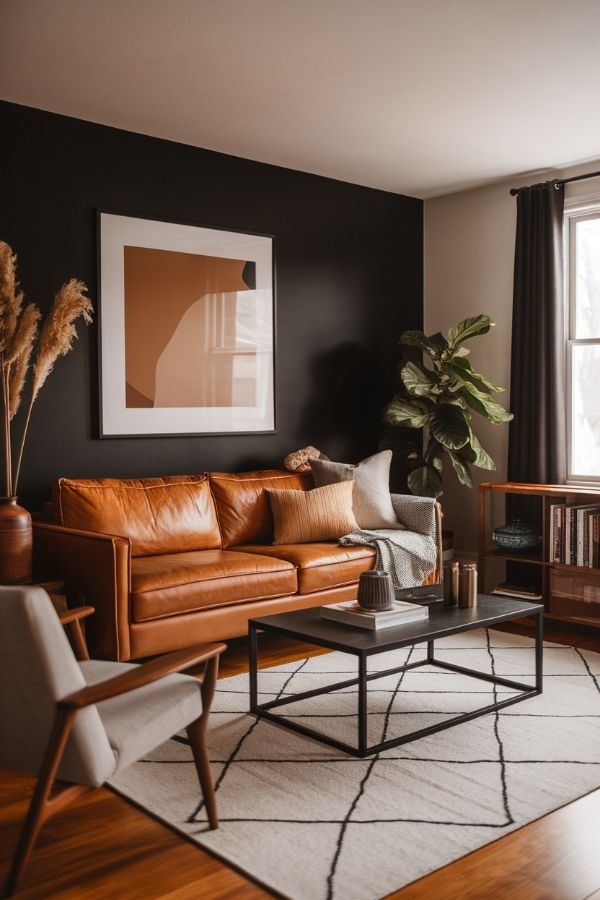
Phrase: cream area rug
pixel 310 822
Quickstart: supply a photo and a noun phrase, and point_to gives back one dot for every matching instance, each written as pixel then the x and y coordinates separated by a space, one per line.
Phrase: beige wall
pixel 469 254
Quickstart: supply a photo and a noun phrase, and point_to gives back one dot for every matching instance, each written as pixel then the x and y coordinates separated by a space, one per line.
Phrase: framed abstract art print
pixel 187 329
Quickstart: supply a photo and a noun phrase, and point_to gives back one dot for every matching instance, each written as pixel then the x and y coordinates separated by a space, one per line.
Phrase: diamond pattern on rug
pixel 312 822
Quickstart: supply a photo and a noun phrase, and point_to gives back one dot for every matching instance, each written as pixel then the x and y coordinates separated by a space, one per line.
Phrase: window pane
pixel 585 424
pixel 587 315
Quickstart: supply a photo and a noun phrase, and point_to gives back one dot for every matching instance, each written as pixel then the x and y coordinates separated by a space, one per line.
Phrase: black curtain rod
pixel 515 191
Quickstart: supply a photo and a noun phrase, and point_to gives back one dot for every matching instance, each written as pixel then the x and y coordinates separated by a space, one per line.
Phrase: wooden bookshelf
pixel 571 593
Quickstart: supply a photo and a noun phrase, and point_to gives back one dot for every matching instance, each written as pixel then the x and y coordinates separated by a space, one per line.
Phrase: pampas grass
pixel 11 298
pixel 59 331
pixel 19 339
pixel 20 355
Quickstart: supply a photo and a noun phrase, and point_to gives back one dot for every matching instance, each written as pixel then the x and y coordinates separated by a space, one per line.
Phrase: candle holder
pixel 375 590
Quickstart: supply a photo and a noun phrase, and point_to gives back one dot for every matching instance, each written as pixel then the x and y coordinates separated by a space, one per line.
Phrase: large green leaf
pixel 411 414
pixel 417 381
pixel 413 355
pixel 485 406
pixel 469 328
pixel 439 342
pixel 433 345
pixel 463 368
pixel 461 468
pixel 482 459
pixel 449 426
pixel 425 482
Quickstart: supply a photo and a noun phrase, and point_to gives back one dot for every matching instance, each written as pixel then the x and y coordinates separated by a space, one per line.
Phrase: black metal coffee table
pixel 307 625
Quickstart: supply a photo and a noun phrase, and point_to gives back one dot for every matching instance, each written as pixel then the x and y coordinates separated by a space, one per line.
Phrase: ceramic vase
pixel 15 542
pixel 375 590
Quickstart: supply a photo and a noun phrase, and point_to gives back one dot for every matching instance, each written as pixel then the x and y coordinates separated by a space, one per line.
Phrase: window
pixel 582 235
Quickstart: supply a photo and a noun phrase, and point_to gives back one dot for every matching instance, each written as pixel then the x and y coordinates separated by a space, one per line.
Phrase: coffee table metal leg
pixel 539 650
pixel 430 656
pixel 253 666
pixel 362 704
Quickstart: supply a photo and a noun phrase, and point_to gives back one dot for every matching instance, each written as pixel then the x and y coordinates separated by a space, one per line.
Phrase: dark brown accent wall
pixel 349 281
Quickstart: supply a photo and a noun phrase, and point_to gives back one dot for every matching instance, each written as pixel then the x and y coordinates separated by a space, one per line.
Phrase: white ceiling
pixel 421 97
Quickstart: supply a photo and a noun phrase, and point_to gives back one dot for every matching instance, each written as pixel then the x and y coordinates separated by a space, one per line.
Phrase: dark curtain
pixel 537 435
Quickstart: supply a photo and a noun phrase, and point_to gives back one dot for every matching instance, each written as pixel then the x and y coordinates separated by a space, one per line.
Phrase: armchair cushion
pixel 37 669
pixel 137 722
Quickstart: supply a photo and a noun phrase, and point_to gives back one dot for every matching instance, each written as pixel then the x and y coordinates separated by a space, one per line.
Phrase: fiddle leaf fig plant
pixel 439 391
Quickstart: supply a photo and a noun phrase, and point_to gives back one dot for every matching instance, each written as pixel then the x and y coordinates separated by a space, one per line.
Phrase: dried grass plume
pixel 18 340
pixel 11 298
pixel 58 332
pixel 19 355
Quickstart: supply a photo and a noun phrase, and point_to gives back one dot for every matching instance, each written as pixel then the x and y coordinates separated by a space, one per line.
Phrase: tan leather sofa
pixel 168 562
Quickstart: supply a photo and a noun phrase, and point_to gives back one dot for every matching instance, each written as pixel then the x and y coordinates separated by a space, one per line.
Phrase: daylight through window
pixel 582 232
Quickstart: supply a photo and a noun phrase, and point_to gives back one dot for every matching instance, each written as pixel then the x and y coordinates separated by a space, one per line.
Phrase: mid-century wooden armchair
pixel 76 722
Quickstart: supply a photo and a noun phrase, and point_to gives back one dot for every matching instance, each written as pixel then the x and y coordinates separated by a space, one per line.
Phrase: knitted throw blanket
pixel 408 552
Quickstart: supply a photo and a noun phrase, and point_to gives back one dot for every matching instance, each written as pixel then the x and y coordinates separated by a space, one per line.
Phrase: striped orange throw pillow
pixel 323 514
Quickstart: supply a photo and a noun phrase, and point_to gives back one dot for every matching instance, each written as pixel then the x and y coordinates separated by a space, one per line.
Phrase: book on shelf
pixel 583 514
pixel 594 540
pixel 514 590
pixel 556 531
pixel 350 613
pixel 572 540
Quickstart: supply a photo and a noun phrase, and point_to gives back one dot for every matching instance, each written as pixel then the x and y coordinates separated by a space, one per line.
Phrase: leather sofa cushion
pixel 243 506
pixel 181 582
pixel 159 515
pixel 321 566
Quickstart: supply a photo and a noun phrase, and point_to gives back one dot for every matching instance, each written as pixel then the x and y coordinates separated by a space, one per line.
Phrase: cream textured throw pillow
pixel 371 501
pixel 323 514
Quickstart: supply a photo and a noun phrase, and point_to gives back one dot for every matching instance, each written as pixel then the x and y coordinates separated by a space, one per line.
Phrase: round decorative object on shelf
pixel 518 536
pixel 375 590
pixel 15 542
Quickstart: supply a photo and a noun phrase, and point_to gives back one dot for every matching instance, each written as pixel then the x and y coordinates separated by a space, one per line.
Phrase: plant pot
pixel 15 542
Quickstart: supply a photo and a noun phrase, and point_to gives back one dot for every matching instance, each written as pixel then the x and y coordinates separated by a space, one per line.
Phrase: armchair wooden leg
pixel 42 805
pixel 197 735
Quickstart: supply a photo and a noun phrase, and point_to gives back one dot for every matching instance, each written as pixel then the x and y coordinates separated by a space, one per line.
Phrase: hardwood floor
pixel 102 846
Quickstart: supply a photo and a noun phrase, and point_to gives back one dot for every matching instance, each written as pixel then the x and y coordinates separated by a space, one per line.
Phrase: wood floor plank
pixel 554 858
pixel 104 847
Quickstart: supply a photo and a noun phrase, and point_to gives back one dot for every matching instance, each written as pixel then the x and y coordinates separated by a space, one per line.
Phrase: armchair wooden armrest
pixel 72 619
pixel 144 674
pixel 71 615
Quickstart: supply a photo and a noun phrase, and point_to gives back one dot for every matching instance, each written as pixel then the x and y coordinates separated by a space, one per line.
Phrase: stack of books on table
pixel 513 590
pixel 350 613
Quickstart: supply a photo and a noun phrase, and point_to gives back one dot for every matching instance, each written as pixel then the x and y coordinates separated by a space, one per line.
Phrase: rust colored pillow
pixel 159 515
pixel 323 514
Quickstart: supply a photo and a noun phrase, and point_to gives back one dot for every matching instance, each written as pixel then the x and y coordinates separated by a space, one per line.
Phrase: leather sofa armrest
pixel 97 571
